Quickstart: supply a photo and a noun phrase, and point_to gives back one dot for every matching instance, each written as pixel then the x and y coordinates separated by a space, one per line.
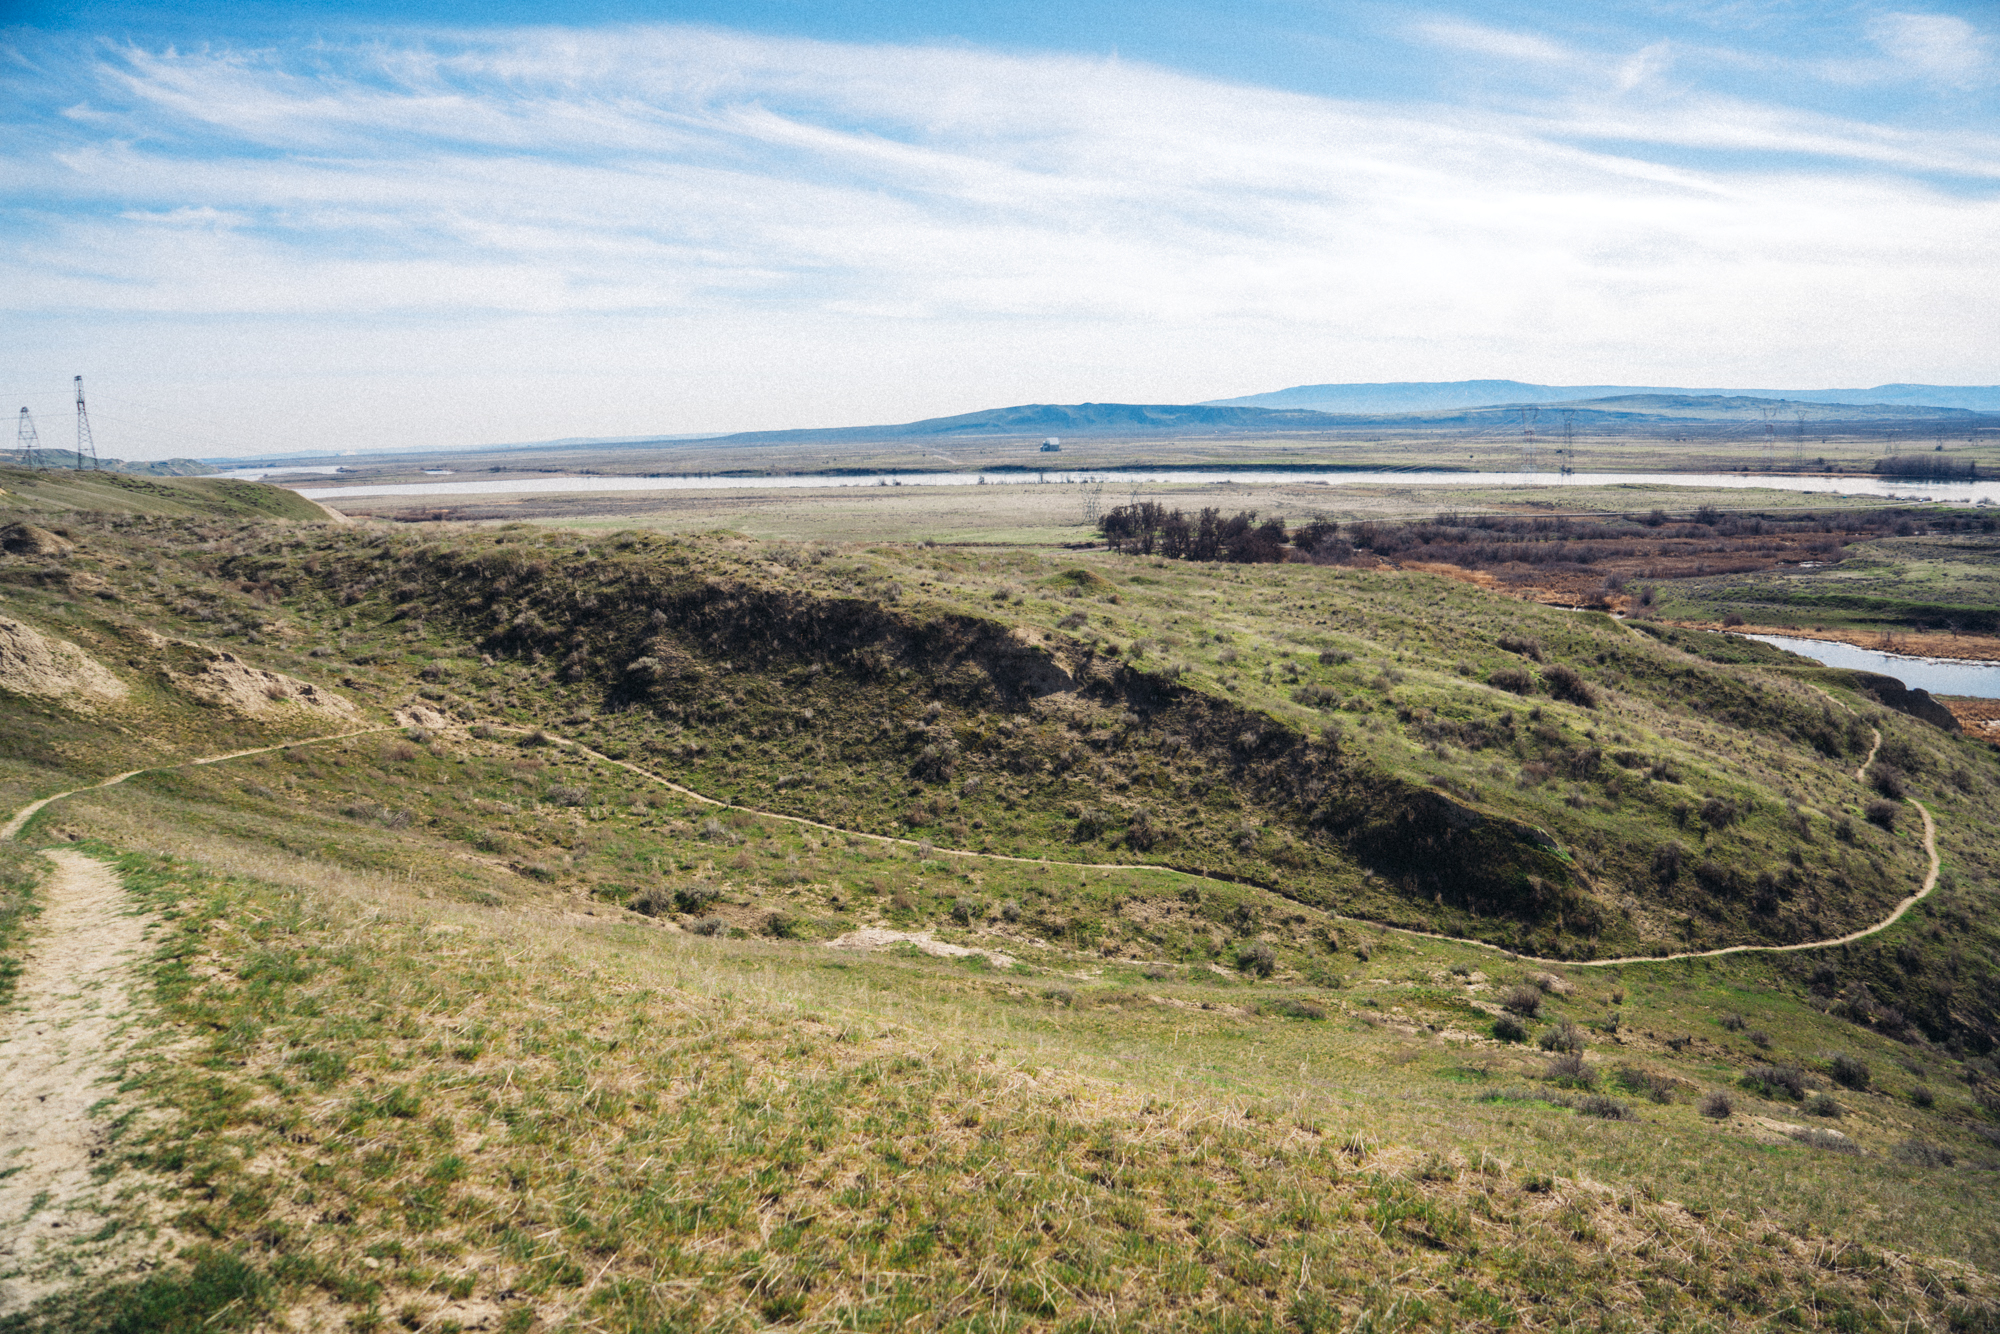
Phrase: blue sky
pixel 351 226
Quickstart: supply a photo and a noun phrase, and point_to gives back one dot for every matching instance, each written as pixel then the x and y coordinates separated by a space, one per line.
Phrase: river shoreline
pixel 1943 647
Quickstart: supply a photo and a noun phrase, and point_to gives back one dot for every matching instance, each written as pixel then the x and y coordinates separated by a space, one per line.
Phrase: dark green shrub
pixel 1635 1079
pixel 1296 1009
pixel 1776 1081
pixel 1917 1153
pixel 1849 1072
pixel 1571 1071
pixel 1564 684
pixel 695 897
pixel 1509 1029
pixel 1257 957
pixel 1715 1103
pixel 1523 1000
pixel 1564 1037
pixel 1888 780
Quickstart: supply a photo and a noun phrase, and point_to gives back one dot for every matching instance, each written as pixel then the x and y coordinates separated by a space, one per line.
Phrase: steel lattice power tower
pixel 28 439
pixel 84 442
pixel 1528 418
pixel 1770 440
pixel 1568 468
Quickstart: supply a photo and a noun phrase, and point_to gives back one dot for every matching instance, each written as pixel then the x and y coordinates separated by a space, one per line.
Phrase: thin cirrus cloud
pixel 908 229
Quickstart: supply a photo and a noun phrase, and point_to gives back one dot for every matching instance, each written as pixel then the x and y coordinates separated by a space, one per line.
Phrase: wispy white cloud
pixel 900 230
pixel 1934 46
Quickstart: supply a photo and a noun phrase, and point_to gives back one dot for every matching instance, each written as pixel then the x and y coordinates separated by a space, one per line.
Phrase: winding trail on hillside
pixel 1929 882
pixel 61 1048
pixel 27 812
pixel 1861 774
pixel 14 825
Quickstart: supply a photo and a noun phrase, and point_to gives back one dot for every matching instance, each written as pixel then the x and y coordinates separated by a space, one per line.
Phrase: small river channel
pixel 1940 676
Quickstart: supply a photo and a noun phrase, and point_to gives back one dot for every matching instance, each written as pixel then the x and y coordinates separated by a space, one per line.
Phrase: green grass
pixel 612 1125
pixel 428 1067
pixel 21 869
pixel 59 492
pixel 1896 583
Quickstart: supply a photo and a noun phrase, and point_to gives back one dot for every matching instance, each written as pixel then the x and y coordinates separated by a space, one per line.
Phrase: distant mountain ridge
pixel 1086 419
pixel 1398 396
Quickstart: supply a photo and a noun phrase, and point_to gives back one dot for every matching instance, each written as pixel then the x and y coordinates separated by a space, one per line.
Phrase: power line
pixel 27 438
pixel 84 440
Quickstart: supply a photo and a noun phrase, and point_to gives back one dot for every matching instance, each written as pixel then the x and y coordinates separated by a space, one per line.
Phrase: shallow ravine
pixel 62 1045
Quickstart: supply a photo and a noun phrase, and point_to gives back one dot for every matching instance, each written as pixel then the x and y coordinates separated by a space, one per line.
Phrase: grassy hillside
pixel 528 1016
pixel 58 491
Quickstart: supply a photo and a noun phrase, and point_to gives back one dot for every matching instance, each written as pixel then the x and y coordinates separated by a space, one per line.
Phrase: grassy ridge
pixel 1334 733
pixel 56 492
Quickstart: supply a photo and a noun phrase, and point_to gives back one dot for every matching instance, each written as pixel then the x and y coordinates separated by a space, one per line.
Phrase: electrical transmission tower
pixel 84 442
pixel 1529 416
pixel 28 439
pixel 1799 442
pixel 1770 439
pixel 1568 463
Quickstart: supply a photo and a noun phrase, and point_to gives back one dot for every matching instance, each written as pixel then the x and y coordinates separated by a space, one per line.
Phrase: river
pixel 1940 676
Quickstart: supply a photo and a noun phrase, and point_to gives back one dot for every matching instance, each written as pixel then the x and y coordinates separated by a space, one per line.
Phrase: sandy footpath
pixel 61 1046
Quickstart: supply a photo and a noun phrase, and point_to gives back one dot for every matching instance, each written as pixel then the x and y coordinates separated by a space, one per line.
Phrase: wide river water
pixel 1940 676
pixel 1955 492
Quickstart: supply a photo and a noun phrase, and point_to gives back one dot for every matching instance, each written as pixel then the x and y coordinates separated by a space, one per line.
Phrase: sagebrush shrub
pixel 1715 1103
pixel 1571 1070
pixel 1918 1153
pixel 1563 683
pixel 1564 1037
pixel 1257 957
pixel 1776 1081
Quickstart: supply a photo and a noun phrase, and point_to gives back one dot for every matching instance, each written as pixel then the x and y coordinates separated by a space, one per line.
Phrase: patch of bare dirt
pixel 228 681
pixel 26 539
pixel 880 938
pixel 32 663
pixel 61 1049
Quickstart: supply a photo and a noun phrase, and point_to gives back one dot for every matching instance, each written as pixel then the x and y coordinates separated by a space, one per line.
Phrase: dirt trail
pixel 1861 774
pixel 61 1047
pixel 27 812
pixel 1930 878
pixel 1929 883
